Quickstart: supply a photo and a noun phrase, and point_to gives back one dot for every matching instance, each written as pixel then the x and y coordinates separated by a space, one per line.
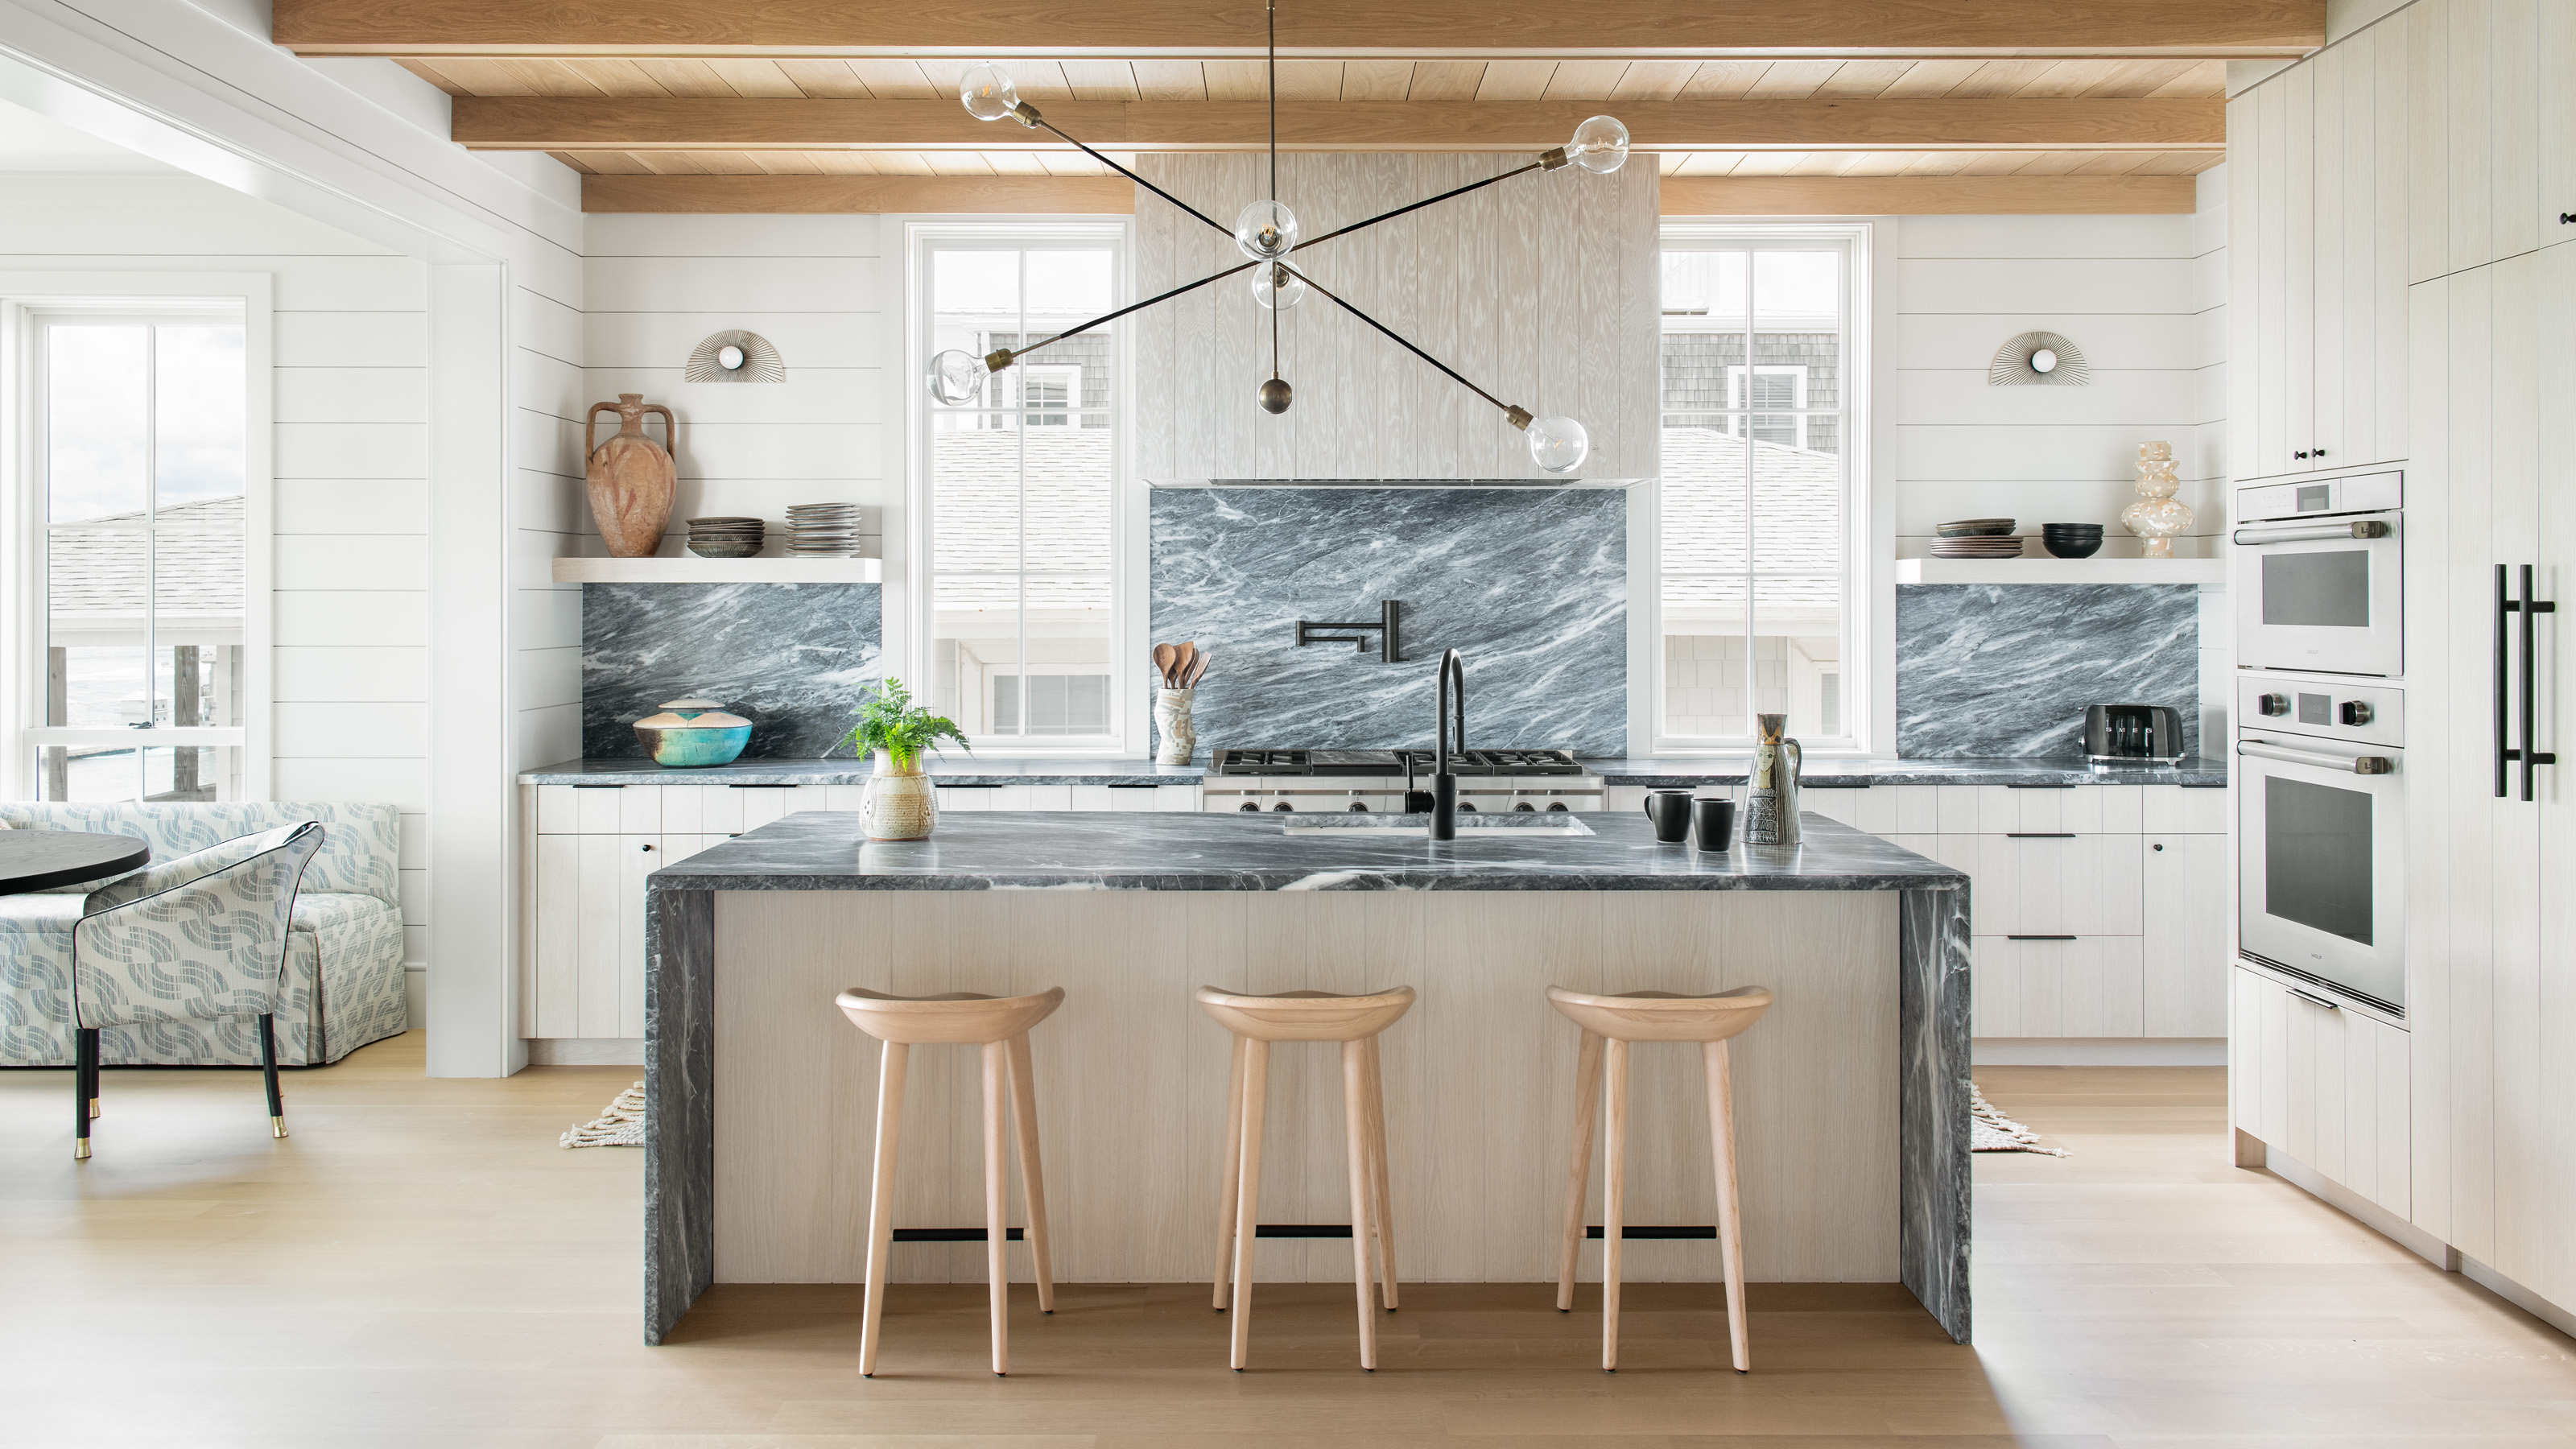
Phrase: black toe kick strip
pixel 1266 1230
pixel 1634 1231
pixel 949 1235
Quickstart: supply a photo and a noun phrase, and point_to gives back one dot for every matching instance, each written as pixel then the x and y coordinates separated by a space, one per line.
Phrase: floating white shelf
pixel 694 570
pixel 2061 571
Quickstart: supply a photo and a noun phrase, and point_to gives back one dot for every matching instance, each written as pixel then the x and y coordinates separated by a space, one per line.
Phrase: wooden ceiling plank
pixel 618 76
pixel 843 163
pixel 1792 80
pixel 1012 163
pixel 1236 80
pixel 1930 78
pixel 1938 163
pixel 428 70
pixel 1171 80
pixel 1653 80
pixel 1708 163
pixel 1329 27
pixel 1997 163
pixel 1059 195
pixel 826 80
pixel 892 80
pixel 1584 80
pixel 1446 80
pixel 570 159
pixel 684 76
pixel 1515 80
pixel 1376 80
pixel 901 163
pixel 2054 163
pixel 2205 78
pixel 1723 80
pixel 1860 80
pixel 482 77
pixel 1998 78
pixel 2122 79
pixel 1101 80
pixel 784 163
pixel 607 123
pixel 756 77
pixel 2063 78
pixel 1904 195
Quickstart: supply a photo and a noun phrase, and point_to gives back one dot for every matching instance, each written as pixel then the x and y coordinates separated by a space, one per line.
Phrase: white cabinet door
pixel 2326 1086
pixel 969 797
pixel 558 947
pixel 2188 898
pixel 2556 219
pixel 2086 986
pixel 2359 344
pixel 2048 884
pixel 2550 1175
pixel 599 809
pixel 2181 810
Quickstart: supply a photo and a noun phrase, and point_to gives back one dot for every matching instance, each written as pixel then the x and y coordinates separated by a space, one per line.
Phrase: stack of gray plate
pixel 823 530
pixel 1976 538
pixel 725 537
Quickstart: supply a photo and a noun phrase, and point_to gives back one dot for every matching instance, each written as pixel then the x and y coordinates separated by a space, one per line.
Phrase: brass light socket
pixel 1550 160
pixel 997 360
pixel 1518 417
pixel 1026 115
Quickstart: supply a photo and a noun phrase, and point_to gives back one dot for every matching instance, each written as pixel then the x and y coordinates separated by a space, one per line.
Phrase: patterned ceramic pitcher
pixel 1771 796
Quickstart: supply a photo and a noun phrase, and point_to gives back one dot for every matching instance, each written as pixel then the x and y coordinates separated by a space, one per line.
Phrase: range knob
pixel 1283 808
pixel 1359 807
pixel 1247 808
pixel 2354 712
pixel 2273 704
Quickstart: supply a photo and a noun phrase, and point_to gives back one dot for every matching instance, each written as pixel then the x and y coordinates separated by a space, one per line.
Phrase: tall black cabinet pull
pixel 2526 703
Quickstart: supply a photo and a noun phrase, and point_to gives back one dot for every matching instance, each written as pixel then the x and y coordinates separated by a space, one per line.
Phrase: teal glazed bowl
pixel 692 734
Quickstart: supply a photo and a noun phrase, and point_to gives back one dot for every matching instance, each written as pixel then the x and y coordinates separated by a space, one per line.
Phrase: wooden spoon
pixel 1164 655
pixel 1198 670
pixel 1181 662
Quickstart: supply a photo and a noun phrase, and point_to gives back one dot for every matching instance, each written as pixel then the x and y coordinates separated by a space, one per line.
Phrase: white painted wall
pixel 2209 414
pixel 2124 289
pixel 350 442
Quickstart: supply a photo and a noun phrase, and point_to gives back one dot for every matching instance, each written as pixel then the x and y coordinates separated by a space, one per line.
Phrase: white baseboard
pixel 2100 1051
pixel 415 995
pixel 585 1051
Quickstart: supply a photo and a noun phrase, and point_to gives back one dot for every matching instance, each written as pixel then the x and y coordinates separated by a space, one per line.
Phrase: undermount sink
pixel 1480 822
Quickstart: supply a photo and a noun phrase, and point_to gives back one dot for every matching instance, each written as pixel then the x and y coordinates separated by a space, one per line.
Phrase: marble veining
pixel 825 850
pixel 1934 1189
pixel 791 658
pixel 2007 669
pixel 1531 586
pixel 1671 774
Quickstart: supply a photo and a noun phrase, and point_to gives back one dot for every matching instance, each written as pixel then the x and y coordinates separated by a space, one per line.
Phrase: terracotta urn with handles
pixel 633 481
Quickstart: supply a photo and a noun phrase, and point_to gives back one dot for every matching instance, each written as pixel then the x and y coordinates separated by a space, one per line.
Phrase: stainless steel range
pixel 1376 780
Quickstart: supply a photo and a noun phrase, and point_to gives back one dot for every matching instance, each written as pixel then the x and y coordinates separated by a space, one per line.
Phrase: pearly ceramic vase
pixel 1175 738
pixel 1771 792
pixel 2157 515
pixel 632 480
pixel 899 802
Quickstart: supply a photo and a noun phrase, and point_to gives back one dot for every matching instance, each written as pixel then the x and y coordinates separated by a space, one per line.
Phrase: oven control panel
pixel 2356 493
pixel 2363 714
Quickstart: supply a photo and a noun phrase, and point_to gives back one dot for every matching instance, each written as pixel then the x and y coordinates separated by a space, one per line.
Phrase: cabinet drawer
pixel 2045 883
pixel 599 809
pixel 2004 809
pixel 733 809
pixel 2175 810
pixel 2081 986
pixel 2323 1085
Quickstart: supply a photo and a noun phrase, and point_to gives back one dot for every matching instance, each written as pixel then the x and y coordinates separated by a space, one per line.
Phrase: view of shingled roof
pixel 977 475
pixel 1797 521
pixel 102 570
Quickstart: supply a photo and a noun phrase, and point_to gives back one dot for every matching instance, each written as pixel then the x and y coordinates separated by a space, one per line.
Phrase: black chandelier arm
pixel 1509 411
pixel 1012 355
pixel 1038 120
pixel 1539 165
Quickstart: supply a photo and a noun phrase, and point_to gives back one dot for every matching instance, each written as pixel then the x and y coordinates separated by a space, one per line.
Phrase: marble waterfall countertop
pixel 1042 850
pixel 1679 773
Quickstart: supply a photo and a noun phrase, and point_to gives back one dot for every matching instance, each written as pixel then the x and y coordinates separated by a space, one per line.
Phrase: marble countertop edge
pixel 1647 773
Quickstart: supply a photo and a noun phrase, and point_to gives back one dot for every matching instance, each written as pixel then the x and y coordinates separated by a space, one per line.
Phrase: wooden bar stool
pixel 1000 1025
pixel 1256 1022
pixel 1609 1024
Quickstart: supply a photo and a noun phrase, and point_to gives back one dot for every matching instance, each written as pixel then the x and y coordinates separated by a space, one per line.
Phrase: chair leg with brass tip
pixel 84 1090
pixel 268 1069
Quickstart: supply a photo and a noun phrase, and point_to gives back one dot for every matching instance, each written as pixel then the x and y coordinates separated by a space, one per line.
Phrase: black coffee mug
pixel 1714 822
pixel 1671 812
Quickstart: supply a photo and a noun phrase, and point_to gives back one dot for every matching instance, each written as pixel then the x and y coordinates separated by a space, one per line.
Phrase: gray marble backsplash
pixel 2006 670
pixel 791 658
pixel 1529 584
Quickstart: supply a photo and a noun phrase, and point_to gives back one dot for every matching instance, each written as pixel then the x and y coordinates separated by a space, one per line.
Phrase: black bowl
pixel 2065 547
pixel 2079 529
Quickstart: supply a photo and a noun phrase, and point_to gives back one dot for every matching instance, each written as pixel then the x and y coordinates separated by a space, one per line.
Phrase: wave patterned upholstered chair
pixel 344 948
pixel 195 939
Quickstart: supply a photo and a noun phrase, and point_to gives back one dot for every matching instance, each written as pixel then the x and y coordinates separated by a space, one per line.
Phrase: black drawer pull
pixel 1132 785
pixel 1634 1231
pixel 2060 785
pixel 760 787
pixel 967 787
pixel 2039 835
pixel 599 787
pixel 2040 938
pixel 949 1235
pixel 2312 999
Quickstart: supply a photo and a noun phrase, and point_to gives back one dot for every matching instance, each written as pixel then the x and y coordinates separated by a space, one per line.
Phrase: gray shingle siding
pixel 1695 365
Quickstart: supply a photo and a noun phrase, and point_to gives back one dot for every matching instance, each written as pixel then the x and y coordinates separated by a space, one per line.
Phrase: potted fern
pixel 900 803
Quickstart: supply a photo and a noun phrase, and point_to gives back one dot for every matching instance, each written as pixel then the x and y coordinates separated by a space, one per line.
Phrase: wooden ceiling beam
pixel 625 123
pixel 1682 195
pixel 1330 28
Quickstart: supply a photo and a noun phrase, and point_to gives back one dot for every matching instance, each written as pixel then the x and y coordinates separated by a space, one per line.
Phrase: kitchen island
pixel 1852 1094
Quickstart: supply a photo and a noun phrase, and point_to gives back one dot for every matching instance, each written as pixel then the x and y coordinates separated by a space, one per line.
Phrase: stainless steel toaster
pixel 2148 733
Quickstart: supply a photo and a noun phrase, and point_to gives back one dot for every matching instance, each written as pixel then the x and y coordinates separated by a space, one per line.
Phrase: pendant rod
pixel 1507 409
pixel 1273 11
pixel 1426 201
pixel 1106 318
pixel 1132 176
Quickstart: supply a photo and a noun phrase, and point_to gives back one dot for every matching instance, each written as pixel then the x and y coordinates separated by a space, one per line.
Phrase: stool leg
pixel 1578 1173
pixel 1024 1112
pixel 997 1195
pixel 1247 1205
pixel 1383 1220
pixel 1355 1132
pixel 268 1067
pixel 1730 1221
pixel 1231 1171
pixel 91 1087
pixel 84 1052
pixel 881 1198
pixel 1614 1193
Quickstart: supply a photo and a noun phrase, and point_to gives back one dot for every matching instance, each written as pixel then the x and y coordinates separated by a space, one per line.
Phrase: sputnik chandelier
pixel 1267 233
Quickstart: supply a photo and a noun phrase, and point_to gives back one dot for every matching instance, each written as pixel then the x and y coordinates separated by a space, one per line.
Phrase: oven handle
pixel 2321 759
pixel 2365 528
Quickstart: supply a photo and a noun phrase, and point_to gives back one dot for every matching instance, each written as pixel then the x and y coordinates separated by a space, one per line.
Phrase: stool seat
pixel 951 1018
pixel 1663 1015
pixel 1306 1015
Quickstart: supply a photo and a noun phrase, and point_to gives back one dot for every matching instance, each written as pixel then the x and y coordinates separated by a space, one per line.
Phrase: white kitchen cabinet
pixel 2323 1084
pixel 2317 260
pixel 2491 170
pixel 2190 903
pixel 2073 986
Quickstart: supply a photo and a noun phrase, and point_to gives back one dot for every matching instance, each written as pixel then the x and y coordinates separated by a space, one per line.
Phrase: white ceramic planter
pixel 1175 738
pixel 900 802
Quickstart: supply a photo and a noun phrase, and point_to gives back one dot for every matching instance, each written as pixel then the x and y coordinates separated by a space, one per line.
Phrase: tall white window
pixel 1756 568
pixel 1019 489
pixel 127 530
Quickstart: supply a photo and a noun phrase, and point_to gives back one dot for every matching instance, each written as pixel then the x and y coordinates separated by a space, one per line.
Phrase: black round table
pixel 34 860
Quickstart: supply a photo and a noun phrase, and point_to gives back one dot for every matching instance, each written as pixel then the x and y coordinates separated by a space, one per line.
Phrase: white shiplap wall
pixel 2209 413
pixel 350 442
pixel 2125 290
pixel 1541 290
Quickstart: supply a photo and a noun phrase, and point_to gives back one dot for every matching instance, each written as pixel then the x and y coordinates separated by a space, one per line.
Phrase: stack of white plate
pixel 1976 538
pixel 823 530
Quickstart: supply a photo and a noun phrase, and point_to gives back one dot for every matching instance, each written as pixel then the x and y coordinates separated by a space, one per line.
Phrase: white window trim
pixel 22 605
pixel 916 624
pixel 1864 681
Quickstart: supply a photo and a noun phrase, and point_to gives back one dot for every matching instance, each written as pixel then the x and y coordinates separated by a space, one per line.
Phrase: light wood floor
pixel 420 1265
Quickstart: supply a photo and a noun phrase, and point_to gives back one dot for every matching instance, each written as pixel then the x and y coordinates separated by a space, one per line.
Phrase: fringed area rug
pixel 622 1125
pixel 1993 1131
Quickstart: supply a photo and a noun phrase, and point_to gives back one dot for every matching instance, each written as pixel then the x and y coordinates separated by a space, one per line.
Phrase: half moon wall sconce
pixel 736 357
pixel 2038 359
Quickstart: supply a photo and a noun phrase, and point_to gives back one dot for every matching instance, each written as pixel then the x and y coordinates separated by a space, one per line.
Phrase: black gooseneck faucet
pixel 1449 703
